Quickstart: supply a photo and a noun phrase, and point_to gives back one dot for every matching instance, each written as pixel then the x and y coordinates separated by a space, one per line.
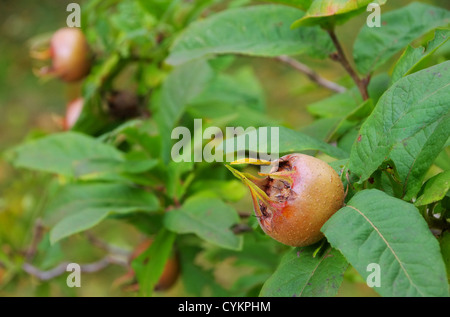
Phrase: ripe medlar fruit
pixel 70 55
pixel 295 198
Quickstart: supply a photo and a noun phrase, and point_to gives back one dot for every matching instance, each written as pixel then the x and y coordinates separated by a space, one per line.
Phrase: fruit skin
pixel 73 112
pixel 69 52
pixel 296 198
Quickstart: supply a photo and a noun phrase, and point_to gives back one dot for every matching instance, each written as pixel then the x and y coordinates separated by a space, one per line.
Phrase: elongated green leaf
pixel 328 13
pixel 289 141
pixel 409 126
pixel 110 169
pixel 261 30
pixel 179 88
pixel 435 189
pixel 375 228
pixel 149 266
pixel 413 56
pixel 78 222
pixel 302 275
pixel 374 46
pixel 209 218
pixel 60 153
pixel 79 207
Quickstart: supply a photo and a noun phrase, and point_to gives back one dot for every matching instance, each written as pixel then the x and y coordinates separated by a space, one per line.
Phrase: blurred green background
pixel 29 105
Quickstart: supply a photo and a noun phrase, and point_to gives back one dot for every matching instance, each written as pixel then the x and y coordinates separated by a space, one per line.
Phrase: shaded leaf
pixel 209 218
pixel 374 46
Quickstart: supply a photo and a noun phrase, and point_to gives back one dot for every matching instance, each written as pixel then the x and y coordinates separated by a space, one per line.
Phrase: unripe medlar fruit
pixel 69 52
pixel 295 198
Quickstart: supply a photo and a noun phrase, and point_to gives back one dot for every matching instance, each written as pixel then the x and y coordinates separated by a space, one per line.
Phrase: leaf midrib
pixel 389 247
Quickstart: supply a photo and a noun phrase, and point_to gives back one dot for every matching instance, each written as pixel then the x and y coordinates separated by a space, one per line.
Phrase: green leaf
pixel 78 222
pixel 59 153
pixel 377 228
pixel 443 159
pixel 435 189
pixel 409 126
pixel 78 207
pixel 375 46
pixel 110 169
pixel 155 7
pixel 261 30
pixel 289 141
pixel 328 13
pixel 300 4
pixel 209 218
pixel 229 190
pixel 300 274
pixel 195 278
pixel 149 266
pixel 179 88
pixel 337 105
pixel 444 242
pixel 412 57
pixel 241 88
pixel 340 105
pixel 350 120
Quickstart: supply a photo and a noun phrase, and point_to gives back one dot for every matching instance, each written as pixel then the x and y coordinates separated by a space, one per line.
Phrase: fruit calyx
pixel 271 193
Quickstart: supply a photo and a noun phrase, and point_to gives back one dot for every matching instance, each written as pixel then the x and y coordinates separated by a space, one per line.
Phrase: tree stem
pixel 341 58
pixel 311 74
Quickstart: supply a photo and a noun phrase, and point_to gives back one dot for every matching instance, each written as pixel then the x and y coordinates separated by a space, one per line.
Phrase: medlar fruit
pixel 70 55
pixel 295 199
pixel 73 112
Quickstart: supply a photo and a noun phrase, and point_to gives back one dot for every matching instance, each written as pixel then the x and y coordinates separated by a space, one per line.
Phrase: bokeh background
pixel 30 106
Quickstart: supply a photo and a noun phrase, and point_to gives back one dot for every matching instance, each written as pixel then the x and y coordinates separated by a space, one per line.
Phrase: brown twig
pixel 106 246
pixel 341 58
pixel 241 228
pixel 62 268
pixel 312 75
pixel 244 214
pixel 38 233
